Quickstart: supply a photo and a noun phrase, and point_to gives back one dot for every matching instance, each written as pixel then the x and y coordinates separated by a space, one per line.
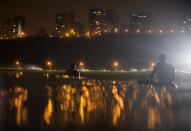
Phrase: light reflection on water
pixel 90 103
pixel 17 102
pixel 48 112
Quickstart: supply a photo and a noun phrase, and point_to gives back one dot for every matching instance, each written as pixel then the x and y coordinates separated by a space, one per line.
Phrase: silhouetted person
pixel 72 71
pixel 164 72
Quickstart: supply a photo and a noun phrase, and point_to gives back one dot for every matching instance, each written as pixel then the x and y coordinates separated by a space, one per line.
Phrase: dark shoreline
pixel 131 50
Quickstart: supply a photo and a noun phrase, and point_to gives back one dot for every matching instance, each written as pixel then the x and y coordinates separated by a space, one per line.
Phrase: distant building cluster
pixel 67 26
pixel 139 22
pixel 100 21
pixel 14 28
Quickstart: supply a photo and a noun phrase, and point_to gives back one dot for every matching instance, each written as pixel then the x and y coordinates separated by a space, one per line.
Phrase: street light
pixel 81 64
pixel 22 34
pixel 116 64
pixel 17 63
pixel 126 30
pixel 160 31
pixel 67 35
pixel 87 34
pixel 152 64
pixel 138 31
pixel 149 31
pixel 49 65
pixel 172 31
pixel 116 30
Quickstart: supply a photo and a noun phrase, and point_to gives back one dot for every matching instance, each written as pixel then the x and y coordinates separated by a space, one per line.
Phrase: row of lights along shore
pixel 99 33
pixel 81 65
pixel 89 34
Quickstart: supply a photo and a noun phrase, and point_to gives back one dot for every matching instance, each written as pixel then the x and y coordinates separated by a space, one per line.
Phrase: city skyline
pixel 42 14
pixel 100 21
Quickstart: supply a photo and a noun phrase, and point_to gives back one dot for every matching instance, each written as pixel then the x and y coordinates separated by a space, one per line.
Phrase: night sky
pixel 41 13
